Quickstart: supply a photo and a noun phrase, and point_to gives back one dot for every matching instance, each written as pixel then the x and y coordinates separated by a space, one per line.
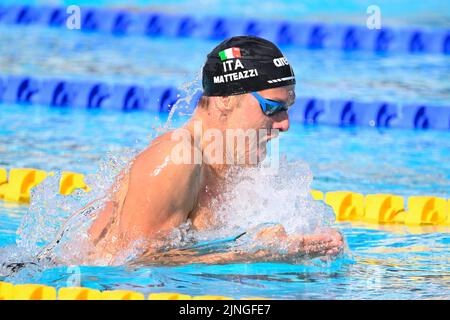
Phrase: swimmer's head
pixel 245 64
pixel 247 84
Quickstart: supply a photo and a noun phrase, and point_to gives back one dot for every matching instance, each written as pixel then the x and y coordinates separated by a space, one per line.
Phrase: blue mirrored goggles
pixel 270 107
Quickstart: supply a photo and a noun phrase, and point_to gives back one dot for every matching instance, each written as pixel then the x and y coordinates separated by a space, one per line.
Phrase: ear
pixel 224 106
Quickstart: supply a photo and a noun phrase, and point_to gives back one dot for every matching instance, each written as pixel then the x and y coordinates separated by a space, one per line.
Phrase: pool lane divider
pixel 17 187
pixel 65 93
pixel 8 291
pixel 310 35
pixel 347 205
pixel 86 94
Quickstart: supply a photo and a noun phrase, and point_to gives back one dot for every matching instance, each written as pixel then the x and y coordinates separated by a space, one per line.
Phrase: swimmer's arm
pixel 328 242
pixel 278 246
pixel 112 204
pixel 160 193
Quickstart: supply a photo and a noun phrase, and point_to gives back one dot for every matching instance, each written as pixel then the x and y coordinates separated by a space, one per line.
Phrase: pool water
pixel 366 160
pixel 382 262
pixel 363 76
pixel 401 12
pixel 385 263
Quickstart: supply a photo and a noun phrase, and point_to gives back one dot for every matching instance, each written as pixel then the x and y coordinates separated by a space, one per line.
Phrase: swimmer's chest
pixel 203 216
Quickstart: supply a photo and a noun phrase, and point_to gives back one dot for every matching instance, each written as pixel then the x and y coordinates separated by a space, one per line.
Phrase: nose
pixel 281 121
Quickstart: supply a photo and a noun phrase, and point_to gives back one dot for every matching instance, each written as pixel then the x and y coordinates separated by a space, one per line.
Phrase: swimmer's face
pixel 248 114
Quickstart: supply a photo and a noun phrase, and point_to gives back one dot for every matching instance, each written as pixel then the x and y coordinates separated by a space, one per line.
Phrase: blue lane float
pixel 302 34
pixel 127 97
pixel 347 113
pixel 88 94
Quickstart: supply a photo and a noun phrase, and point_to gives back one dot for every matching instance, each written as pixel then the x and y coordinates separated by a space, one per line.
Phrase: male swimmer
pixel 247 84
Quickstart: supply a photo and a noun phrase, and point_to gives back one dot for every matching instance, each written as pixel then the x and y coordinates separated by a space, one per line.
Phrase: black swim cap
pixel 245 64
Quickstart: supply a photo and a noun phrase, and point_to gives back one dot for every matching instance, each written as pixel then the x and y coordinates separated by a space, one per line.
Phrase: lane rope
pixel 347 205
pixel 65 93
pixel 310 35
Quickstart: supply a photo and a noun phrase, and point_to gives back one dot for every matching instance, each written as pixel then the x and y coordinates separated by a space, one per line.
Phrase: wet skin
pixel 157 195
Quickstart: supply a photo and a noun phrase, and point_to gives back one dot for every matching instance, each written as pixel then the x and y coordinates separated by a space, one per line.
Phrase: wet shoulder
pixel 169 154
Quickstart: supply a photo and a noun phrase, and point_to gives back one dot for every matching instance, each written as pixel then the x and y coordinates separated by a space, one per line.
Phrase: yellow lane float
pixel 9 291
pixel 17 186
pixel 426 211
pixel 384 208
pixel 347 205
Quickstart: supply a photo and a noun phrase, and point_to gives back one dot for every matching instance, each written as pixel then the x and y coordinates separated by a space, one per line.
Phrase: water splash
pixel 185 103
pixel 55 229
pixel 259 195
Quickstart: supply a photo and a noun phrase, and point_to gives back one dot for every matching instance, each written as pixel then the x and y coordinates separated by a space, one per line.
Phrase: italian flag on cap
pixel 230 53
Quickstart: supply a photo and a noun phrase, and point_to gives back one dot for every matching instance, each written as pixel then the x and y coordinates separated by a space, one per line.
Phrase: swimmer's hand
pixel 328 243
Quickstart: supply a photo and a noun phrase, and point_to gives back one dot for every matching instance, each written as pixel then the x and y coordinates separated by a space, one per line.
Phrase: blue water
pixel 400 12
pixel 148 62
pixel 386 263
pixel 366 160
pixel 390 262
pixel 382 261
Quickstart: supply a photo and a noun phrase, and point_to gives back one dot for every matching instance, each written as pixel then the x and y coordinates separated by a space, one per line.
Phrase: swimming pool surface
pixel 400 12
pixel 382 262
pixel 390 262
pixel 154 61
